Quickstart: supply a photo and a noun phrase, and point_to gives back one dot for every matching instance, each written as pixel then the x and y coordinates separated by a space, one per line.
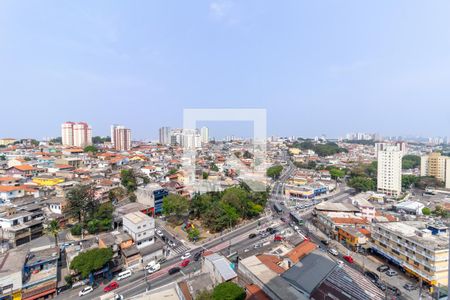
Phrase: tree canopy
pixel 176 207
pixel 274 172
pixel 228 291
pixel 322 150
pixel 81 202
pixel 91 149
pixel 336 173
pixel 362 184
pixel 91 260
pixel 101 140
pixel 128 180
pixel 410 162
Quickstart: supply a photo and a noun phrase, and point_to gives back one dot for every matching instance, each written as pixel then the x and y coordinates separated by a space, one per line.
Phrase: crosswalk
pixel 180 248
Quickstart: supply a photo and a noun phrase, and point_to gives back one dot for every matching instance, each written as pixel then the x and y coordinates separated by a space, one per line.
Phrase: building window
pixel 427 269
pixel 396 252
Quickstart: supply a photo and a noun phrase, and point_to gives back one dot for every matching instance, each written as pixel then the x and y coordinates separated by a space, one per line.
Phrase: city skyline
pixel 332 61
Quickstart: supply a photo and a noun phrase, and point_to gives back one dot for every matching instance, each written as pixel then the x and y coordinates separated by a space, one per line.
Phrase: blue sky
pixel 318 67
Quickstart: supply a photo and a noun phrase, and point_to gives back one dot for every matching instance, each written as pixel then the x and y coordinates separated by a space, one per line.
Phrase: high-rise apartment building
pixel 164 135
pixel 389 177
pixel 402 146
pixel 191 139
pixel 121 137
pixel 436 165
pixel 204 134
pixel 76 134
pixel 421 249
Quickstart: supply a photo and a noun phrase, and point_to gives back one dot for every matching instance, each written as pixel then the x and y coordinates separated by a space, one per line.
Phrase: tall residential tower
pixel 121 137
pixel 76 134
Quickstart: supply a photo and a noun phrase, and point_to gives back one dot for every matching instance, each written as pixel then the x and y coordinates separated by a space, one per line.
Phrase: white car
pixel 391 273
pixel 185 256
pixel 296 227
pixel 85 291
pixel 172 244
pixel 333 251
pixel 154 268
pixel 159 233
pixel 150 265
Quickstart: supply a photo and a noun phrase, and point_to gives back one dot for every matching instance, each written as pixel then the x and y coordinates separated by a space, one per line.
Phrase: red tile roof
pixel 24 168
pixel 254 292
pixel 303 249
pixel 272 262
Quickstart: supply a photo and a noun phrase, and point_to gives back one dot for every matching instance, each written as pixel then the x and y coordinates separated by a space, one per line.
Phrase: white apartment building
pixel 164 135
pixel 140 227
pixel 76 134
pixel 389 177
pixel 204 134
pixel 121 137
pixel 436 165
pixel 191 139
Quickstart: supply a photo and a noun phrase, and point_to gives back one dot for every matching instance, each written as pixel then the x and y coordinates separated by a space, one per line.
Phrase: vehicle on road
pixel 185 255
pixel 340 263
pixel 85 291
pixel 150 265
pixel 252 235
pixel 112 286
pixel 159 233
pixel 246 250
pixel 256 246
pixel 325 242
pixel 269 229
pixel 162 260
pixel 383 268
pixel 124 274
pixel 372 276
pixel 172 243
pixel 154 268
pixel 197 256
pixel 174 270
pixel 410 287
pixel 333 251
pixel 380 285
pixel 391 273
pixel 348 258
pixel 277 208
pixel 185 263
pixel 277 238
pixel 394 290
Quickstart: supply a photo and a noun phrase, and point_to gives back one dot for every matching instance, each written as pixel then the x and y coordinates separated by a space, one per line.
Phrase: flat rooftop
pixel 137 217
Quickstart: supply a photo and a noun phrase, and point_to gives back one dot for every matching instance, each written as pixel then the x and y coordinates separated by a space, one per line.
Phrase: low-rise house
pixel 140 227
pixel 219 268
pixel 11 265
pixel 353 238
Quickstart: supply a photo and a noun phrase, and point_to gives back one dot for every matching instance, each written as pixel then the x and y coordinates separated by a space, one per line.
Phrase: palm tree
pixel 53 229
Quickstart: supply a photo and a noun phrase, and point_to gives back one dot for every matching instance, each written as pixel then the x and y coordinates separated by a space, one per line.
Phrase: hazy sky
pixel 318 67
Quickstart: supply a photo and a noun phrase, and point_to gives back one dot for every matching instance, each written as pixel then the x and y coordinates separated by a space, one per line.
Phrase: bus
pixel 295 217
pixel 277 208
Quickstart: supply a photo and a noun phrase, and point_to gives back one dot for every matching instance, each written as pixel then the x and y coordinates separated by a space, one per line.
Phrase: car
pixel 394 290
pixel 252 235
pixel 325 242
pixel 124 274
pixel 112 286
pixel 296 227
pixel 391 273
pixel 150 265
pixel 380 285
pixel 269 229
pixel 159 233
pixel 256 246
pixel 410 287
pixel 172 244
pixel 273 231
pixel 162 260
pixel 185 255
pixel 197 255
pixel 85 291
pixel 372 276
pixel 348 258
pixel 277 238
pixel 246 250
pixel 383 268
pixel 174 270
pixel 118 297
pixel 333 251
pixel 154 268
pixel 340 263
pixel 185 263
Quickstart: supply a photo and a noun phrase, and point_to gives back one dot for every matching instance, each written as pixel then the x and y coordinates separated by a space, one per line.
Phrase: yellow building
pixel 297 181
pixel 7 141
pixel 436 165
pixel 352 237
pixel 295 151
pixel 48 181
pixel 420 249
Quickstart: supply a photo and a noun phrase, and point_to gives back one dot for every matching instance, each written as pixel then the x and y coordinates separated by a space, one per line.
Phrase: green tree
pixel 409 180
pixel 200 204
pixel 205 175
pixel 81 202
pixel 362 184
pixel 69 280
pixel 76 230
pixel 53 230
pixel 426 211
pixel 193 234
pixel 128 180
pixel 176 207
pixel 91 149
pixel 247 154
pixel 410 162
pixel 336 173
pixel 228 291
pixel 91 260
pixel 274 172
pixel 214 168
pixel 101 140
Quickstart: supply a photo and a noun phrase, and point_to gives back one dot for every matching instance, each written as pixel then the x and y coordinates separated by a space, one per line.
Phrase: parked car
pixel 124 274
pixel 325 242
pixel 85 291
pixel 197 256
pixel 333 251
pixel 383 268
pixel 112 286
pixel 174 270
pixel 150 265
pixel 252 235
pixel 185 255
pixel 185 263
pixel 269 229
pixel 278 238
pixel 380 285
pixel 410 287
pixel 162 260
pixel 394 290
pixel 172 244
pixel 256 246
pixel 348 258
pixel 159 233
pixel 154 268
pixel 372 276
pixel 391 273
